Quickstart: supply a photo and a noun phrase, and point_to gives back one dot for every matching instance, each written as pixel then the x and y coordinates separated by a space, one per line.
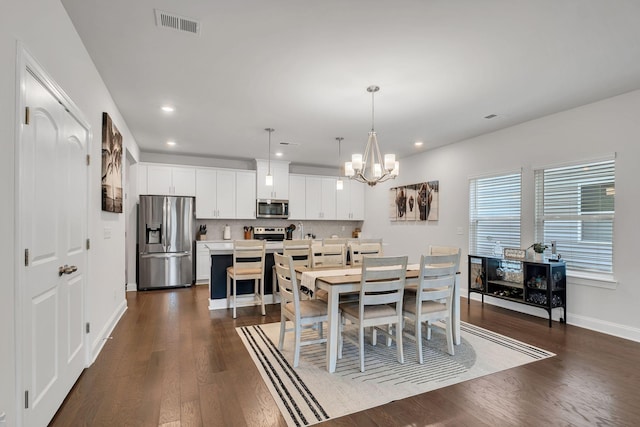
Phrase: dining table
pixel 337 281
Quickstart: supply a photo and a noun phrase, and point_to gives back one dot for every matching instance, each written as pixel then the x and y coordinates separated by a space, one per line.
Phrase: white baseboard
pixel 597 325
pixel 243 301
pixel 104 334
pixel 132 287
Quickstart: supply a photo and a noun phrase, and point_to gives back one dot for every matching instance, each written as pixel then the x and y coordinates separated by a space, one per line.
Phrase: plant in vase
pixel 538 249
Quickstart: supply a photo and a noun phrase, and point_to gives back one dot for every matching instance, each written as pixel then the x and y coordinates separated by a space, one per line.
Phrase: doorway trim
pixel 27 64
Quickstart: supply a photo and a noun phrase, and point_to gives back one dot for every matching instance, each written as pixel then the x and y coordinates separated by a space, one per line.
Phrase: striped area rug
pixel 309 394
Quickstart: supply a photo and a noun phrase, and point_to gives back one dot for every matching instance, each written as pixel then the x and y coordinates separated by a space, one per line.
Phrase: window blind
pixel 575 208
pixel 494 213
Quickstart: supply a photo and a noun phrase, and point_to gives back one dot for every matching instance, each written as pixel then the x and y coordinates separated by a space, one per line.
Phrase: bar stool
pixel 248 264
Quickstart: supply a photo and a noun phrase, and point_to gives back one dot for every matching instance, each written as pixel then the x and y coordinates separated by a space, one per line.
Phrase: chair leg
pixel 283 327
pixel 418 331
pixel 296 350
pixel 428 329
pixel 228 291
pixel 389 332
pixel 374 336
pixel 235 293
pixel 449 332
pixel 399 340
pixel 262 296
pixel 361 345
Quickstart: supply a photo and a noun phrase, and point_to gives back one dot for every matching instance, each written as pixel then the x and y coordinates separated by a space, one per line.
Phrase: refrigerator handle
pixel 165 223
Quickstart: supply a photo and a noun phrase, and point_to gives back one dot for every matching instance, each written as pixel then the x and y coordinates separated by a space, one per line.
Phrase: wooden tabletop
pixel 347 278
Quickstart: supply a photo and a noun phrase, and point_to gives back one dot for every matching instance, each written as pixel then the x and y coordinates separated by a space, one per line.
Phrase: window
pixel 575 208
pixel 494 213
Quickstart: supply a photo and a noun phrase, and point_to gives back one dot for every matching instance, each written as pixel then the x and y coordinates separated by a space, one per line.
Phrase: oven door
pixel 272 209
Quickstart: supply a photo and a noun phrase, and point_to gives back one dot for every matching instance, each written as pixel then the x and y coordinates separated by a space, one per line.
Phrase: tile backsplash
pixel 321 229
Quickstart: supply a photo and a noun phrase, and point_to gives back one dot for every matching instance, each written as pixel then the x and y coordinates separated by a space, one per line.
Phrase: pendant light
pixel 339 183
pixel 371 168
pixel 269 178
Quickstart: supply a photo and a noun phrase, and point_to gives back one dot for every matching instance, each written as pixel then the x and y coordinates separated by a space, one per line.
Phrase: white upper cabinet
pixel 297 197
pixel 350 201
pixel 280 172
pixel 171 180
pixel 245 194
pixel 215 193
pixel 320 198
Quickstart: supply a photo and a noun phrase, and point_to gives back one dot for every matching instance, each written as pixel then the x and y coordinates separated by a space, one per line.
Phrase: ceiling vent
pixel 177 22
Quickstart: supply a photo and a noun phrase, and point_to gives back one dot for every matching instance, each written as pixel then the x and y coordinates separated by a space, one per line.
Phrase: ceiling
pixel 303 67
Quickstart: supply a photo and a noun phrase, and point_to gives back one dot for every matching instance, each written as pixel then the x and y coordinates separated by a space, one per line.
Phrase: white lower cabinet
pixel 203 263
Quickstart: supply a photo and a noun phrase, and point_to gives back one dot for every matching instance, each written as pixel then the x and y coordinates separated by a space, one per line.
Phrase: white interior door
pixel 53 222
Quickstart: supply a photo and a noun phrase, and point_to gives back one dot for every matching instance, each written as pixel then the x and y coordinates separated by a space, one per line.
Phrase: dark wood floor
pixel 172 362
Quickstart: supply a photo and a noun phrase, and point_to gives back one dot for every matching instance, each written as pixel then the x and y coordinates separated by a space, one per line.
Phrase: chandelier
pixel 370 167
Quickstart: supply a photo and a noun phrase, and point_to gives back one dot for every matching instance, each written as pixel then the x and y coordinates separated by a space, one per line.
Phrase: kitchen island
pixel 221 253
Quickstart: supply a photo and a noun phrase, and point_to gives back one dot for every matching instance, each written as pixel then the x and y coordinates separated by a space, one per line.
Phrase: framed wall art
pixel 111 166
pixel 415 202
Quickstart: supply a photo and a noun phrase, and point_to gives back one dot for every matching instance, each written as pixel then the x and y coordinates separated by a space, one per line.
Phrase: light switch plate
pixel 107 233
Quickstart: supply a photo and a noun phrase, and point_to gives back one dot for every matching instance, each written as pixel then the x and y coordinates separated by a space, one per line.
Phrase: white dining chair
pixel 302 313
pixel 433 298
pixel 329 255
pixel 358 250
pixel 248 264
pixel 443 250
pixel 300 250
pixel 380 302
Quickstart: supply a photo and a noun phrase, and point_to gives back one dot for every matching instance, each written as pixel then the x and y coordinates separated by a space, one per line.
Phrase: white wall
pixel 587 132
pixel 44 28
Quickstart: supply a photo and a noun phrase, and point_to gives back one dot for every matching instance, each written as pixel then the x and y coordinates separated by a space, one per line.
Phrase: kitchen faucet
pixel 301 228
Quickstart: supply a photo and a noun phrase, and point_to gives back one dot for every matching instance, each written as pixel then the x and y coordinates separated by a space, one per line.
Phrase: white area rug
pixel 309 394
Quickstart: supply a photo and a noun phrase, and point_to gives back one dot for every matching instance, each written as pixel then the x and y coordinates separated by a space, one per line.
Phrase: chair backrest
pixel 437 277
pixel 334 241
pixel 357 250
pixel 249 254
pixel 287 281
pixel 443 250
pixel 300 250
pixel 329 256
pixel 383 280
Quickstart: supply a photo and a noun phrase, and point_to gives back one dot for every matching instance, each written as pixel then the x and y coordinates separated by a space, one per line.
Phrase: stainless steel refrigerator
pixel 165 242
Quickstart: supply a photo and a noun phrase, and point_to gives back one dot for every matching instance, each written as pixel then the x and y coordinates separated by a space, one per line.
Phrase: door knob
pixel 66 269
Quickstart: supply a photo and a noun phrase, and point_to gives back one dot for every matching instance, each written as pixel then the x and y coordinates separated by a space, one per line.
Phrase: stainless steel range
pixel 271 234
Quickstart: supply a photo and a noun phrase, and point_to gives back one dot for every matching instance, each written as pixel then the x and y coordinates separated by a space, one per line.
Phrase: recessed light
pixel 171 143
pixel 418 143
pixel 491 116
pixel 168 109
pixel 279 153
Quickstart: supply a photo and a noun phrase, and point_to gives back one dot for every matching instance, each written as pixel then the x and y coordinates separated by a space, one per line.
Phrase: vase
pixel 537 256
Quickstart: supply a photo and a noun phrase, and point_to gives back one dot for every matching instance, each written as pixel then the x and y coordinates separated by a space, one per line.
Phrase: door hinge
pixel 26 257
pixel 88 159
pixel 26 116
pixel 26 399
pixel 87 327
pixel 88 244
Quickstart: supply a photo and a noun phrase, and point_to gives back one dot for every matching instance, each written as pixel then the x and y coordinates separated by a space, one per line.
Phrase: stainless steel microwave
pixel 269 208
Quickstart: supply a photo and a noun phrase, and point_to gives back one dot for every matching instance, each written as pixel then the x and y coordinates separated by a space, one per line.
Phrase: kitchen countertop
pixel 225 247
